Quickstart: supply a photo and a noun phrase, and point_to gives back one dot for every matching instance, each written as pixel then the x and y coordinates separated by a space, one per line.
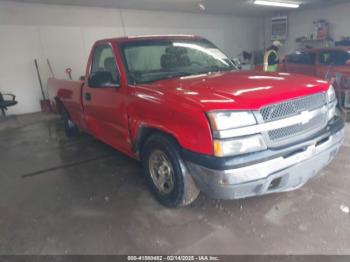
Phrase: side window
pixel 301 58
pixel 104 61
pixel 334 57
pixel 326 57
pixel 292 58
pixel 312 57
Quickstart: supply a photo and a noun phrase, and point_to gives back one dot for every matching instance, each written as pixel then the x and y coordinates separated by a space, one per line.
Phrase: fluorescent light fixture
pixel 273 3
pixel 201 6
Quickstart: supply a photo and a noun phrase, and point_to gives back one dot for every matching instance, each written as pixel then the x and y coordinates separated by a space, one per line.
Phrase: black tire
pixel 184 190
pixel 70 128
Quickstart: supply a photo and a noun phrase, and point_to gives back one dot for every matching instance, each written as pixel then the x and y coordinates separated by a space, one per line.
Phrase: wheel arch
pixel 144 132
pixel 189 190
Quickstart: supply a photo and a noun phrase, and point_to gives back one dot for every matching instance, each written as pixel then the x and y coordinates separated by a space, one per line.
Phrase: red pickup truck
pixel 180 106
pixel 332 64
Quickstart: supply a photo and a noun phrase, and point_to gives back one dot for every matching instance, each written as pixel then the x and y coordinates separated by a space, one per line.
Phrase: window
pixel 334 57
pixel 104 61
pixel 301 58
pixel 151 60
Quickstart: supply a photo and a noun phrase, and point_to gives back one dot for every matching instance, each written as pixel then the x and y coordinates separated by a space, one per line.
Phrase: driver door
pixel 104 104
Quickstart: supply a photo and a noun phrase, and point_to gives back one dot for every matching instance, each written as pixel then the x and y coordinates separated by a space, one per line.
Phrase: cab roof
pixel 340 48
pixel 150 37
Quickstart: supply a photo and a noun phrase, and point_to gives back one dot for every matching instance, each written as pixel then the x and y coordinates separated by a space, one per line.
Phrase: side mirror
pixel 103 79
pixel 347 62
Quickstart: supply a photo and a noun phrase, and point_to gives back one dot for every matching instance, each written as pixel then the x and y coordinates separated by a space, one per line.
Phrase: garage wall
pixel 64 34
pixel 301 23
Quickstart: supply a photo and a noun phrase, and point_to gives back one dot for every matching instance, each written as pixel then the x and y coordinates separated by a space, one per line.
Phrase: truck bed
pixel 69 93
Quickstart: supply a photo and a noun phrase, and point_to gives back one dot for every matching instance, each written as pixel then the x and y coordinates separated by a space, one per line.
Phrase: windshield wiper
pixel 167 76
pixel 178 74
pixel 214 69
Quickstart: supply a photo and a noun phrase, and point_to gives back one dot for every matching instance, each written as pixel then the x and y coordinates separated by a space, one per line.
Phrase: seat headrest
pixel 167 61
pixel 176 50
pixel 110 64
pixel 174 57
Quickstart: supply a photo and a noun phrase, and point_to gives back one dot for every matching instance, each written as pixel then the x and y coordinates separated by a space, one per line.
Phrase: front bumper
pixel 287 171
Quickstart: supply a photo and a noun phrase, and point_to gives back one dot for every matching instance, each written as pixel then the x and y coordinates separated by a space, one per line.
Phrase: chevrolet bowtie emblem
pixel 306 117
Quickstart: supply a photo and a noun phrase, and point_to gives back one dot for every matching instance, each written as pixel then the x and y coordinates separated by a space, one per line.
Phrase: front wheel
pixel 166 173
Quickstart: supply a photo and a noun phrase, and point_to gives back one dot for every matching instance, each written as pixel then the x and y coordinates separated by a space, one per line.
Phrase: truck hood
pixel 243 90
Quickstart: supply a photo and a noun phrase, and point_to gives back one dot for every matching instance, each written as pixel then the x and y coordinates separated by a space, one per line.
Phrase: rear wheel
pixel 69 127
pixel 166 173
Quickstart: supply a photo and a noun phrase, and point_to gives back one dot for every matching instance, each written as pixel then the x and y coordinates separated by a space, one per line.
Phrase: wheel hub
pixel 161 171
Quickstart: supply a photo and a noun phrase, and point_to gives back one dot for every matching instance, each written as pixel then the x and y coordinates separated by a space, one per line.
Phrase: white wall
pixel 301 24
pixel 64 34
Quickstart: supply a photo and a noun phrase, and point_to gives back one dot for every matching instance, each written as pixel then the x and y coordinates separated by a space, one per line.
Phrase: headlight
pixel 230 119
pixel 332 102
pixel 237 146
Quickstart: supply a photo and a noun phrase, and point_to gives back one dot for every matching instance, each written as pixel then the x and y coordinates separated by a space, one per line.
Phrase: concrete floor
pixel 78 196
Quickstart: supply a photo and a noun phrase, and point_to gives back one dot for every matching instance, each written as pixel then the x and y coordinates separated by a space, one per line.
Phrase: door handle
pixel 87 96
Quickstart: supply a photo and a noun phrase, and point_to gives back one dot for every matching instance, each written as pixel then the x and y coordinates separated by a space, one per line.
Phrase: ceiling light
pixel 201 6
pixel 279 4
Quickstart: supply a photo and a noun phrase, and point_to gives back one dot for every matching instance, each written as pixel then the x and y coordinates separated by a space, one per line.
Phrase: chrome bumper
pixel 279 174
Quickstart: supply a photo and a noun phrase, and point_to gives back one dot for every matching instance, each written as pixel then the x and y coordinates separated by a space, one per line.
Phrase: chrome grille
pixel 292 107
pixel 281 133
pixel 290 134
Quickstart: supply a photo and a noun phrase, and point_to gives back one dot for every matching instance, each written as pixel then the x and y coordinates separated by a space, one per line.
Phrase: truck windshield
pixel 152 60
